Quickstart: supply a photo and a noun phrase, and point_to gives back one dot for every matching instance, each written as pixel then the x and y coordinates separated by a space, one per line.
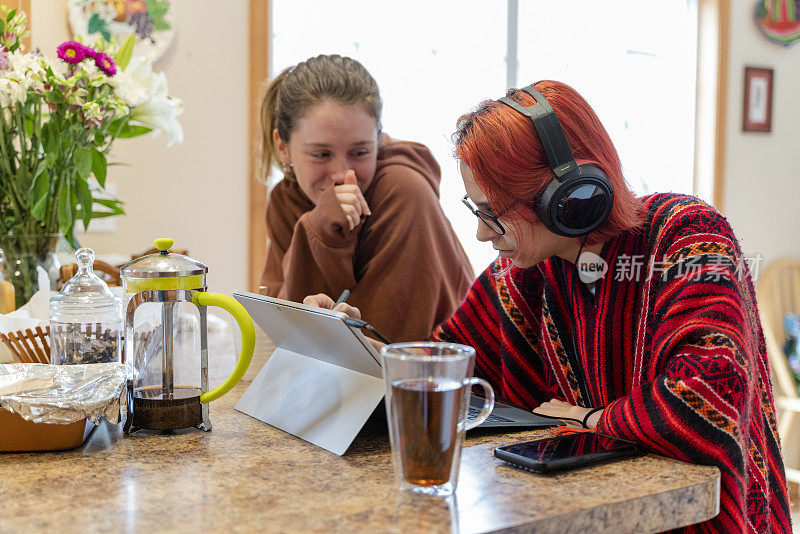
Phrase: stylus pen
pixel 358 323
pixel 342 297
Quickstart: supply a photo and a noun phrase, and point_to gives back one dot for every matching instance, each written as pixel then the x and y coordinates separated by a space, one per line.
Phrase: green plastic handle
pixel 204 298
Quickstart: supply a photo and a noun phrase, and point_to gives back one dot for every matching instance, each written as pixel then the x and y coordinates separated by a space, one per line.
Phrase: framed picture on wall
pixel 757 115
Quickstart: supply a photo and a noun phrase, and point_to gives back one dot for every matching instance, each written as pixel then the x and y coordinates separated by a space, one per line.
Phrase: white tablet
pixel 324 378
pixel 311 331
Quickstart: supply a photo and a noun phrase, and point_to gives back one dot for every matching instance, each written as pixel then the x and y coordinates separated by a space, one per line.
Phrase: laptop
pixel 324 379
pixel 505 415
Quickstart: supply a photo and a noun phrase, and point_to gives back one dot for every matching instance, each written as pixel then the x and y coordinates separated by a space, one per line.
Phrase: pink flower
pixel 3 58
pixel 105 63
pixel 73 52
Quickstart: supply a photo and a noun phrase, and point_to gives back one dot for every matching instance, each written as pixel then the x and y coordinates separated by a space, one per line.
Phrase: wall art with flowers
pixel 153 22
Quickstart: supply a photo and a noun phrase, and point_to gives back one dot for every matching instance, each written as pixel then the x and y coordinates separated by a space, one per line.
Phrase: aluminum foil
pixel 44 393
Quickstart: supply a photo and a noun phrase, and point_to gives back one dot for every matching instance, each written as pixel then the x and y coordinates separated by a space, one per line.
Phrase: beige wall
pixel 762 177
pixel 762 185
pixel 196 192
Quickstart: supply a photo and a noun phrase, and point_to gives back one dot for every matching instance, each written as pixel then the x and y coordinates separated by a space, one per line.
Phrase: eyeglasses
pixel 491 220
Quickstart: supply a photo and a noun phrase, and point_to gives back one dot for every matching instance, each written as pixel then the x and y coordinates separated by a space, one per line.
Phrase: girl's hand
pixel 351 199
pixel 375 343
pixel 321 300
pixel 559 408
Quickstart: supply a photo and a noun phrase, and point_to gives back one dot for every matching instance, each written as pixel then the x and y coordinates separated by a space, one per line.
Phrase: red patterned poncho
pixel 669 342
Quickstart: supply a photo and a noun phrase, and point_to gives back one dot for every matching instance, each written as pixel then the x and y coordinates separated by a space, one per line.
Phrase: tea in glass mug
pixel 427 388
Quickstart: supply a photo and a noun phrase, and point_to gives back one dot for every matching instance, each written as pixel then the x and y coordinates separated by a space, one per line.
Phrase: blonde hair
pixel 296 89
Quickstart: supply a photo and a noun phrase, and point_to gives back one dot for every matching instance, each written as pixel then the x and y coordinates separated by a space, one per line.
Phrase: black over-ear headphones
pixel 579 198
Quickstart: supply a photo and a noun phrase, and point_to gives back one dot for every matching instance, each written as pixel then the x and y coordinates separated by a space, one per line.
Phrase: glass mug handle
pixel 488 401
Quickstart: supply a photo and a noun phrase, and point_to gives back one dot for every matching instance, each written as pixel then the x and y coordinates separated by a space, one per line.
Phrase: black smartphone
pixel 566 452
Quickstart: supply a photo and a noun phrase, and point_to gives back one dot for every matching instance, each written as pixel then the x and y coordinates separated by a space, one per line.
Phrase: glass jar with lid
pixel 85 318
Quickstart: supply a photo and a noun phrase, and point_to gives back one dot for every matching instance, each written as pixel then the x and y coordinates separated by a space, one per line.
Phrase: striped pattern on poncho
pixel 674 351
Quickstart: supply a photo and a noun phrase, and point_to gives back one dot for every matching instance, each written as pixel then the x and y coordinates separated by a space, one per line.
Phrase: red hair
pixel 502 149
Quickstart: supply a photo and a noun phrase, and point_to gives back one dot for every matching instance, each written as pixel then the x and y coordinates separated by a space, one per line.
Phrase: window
pixel 634 61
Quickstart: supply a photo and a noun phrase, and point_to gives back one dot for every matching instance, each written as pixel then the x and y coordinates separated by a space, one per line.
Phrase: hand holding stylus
pixel 342 297
pixel 321 300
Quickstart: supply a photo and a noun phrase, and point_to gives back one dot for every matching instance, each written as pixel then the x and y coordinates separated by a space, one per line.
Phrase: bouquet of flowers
pixel 58 122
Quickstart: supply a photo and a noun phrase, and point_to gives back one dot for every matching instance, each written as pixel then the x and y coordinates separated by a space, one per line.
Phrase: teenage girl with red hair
pixel 664 348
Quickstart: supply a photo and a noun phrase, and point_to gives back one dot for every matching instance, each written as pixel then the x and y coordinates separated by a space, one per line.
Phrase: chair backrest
pixel 779 294
pixel 108 273
pixel 29 346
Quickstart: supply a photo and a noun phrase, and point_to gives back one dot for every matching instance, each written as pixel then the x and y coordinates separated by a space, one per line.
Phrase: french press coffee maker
pixel 166 343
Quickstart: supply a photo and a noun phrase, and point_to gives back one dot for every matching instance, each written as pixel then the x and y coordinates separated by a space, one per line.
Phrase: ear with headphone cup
pixel 579 198
pixel 578 203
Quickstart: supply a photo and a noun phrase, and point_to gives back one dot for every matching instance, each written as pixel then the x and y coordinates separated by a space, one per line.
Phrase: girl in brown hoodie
pixel 355 209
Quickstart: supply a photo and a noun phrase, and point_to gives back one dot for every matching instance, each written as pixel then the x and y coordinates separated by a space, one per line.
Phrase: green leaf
pixel 133 131
pixel 50 144
pixel 125 52
pixel 40 209
pixel 65 218
pixel 39 191
pixel 40 169
pixel 2 26
pixel 73 242
pixel 83 162
pixel 113 204
pixel 85 200
pixel 40 186
pixel 29 127
pixel 114 126
pixel 56 97
pixel 99 167
pixel 98 25
pixel 11 15
pixel 156 10
pixel 97 214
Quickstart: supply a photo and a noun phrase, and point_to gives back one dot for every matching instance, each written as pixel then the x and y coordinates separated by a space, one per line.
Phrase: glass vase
pixel 30 262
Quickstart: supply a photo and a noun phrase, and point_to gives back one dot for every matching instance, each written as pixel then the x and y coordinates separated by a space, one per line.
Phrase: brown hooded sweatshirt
pixel 404 265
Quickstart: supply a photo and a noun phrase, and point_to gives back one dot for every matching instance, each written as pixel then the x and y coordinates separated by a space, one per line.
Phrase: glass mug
pixel 427 406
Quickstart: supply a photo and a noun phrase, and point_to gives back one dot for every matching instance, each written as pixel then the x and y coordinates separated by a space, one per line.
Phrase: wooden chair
pixel 779 294
pixel 108 273
pixel 29 346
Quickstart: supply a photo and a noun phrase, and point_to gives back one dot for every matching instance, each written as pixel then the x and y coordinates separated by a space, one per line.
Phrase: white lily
pixel 146 92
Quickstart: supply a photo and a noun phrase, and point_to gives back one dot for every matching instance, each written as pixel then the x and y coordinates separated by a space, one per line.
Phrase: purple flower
pixel 3 58
pixel 105 63
pixel 73 52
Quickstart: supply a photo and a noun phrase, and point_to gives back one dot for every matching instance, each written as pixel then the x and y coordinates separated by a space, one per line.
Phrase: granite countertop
pixel 248 476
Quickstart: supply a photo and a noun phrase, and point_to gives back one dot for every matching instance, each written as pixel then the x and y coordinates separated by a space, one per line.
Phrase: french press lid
pixel 186 272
